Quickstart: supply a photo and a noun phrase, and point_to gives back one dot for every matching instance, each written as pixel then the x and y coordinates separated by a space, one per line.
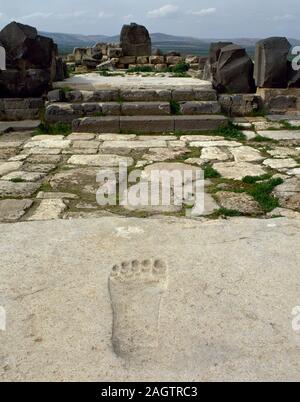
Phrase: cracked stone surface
pixel 99 160
pixel 24 176
pixel 238 170
pixel 12 210
pixel 280 163
pixel 289 193
pixel 243 203
pixel 214 154
pixel 48 209
pixel 246 154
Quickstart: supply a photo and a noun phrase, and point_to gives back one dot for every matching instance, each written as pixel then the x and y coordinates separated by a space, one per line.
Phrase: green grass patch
pixel 260 138
pixel 230 131
pixel 288 126
pixel 46 187
pixel 262 193
pixel 262 112
pixel 228 212
pixel 66 89
pixel 175 107
pixel 53 129
pixel 98 114
pixel 180 68
pixel 17 180
pixel 255 179
pixel 210 172
pixel 141 69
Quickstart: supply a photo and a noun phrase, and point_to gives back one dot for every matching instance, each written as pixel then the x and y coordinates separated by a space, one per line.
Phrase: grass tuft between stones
pixel 230 131
pixel 53 129
pixel 210 172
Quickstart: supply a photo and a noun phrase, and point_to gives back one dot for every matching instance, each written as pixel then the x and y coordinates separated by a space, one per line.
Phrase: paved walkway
pixel 50 177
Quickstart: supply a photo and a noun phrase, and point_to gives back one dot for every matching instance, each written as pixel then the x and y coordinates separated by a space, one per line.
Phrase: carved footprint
pixel 136 289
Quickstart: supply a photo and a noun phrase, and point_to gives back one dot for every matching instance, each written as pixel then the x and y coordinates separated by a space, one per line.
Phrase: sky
pixel 197 18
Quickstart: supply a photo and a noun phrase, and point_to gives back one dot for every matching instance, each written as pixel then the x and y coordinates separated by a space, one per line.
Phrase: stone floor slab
pixel 225 314
pixel 237 171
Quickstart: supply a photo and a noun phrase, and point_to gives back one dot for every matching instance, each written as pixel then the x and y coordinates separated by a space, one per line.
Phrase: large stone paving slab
pixel 100 160
pixel 227 298
pixel 237 171
pixel 12 210
pixel 7 167
pixel 134 144
pixel 48 209
pixel 289 193
pixel 48 143
pixel 11 189
pixel 280 134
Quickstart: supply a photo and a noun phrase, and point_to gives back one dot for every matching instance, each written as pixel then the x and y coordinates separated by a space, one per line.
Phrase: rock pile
pixel 133 50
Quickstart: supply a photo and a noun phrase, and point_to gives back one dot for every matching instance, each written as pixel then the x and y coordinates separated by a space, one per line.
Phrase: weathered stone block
pixel 142 60
pixel 114 53
pixel 145 109
pixel 135 40
pixel 153 124
pixel 199 123
pixel 200 107
pixel 145 95
pixel 127 60
pixel 240 105
pixel 173 60
pixel 234 71
pixel 97 125
pixel 157 60
pixel 271 68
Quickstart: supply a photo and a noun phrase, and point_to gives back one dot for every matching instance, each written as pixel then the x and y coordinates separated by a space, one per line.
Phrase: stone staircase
pixel 138 110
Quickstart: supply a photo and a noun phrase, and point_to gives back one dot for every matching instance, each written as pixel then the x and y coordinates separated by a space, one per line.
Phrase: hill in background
pixel 184 45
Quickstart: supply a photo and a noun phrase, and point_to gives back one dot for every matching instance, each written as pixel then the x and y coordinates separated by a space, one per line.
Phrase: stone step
pixel 12 109
pixel 148 124
pixel 67 112
pixel 22 125
pixel 134 95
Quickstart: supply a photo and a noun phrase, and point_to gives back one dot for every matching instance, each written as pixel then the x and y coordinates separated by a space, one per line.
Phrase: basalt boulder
pixel 135 40
pixel 31 60
pixel 271 67
pixel 234 71
pixel 210 67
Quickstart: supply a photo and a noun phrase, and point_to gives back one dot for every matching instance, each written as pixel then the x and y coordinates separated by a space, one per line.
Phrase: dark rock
pixel 31 62
pixel 234 71
pixel 135 40
pixel 17 40
pixel 60 70
pixel 37 82
pixel 271 68
pixel 215 50
pixel 210 66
